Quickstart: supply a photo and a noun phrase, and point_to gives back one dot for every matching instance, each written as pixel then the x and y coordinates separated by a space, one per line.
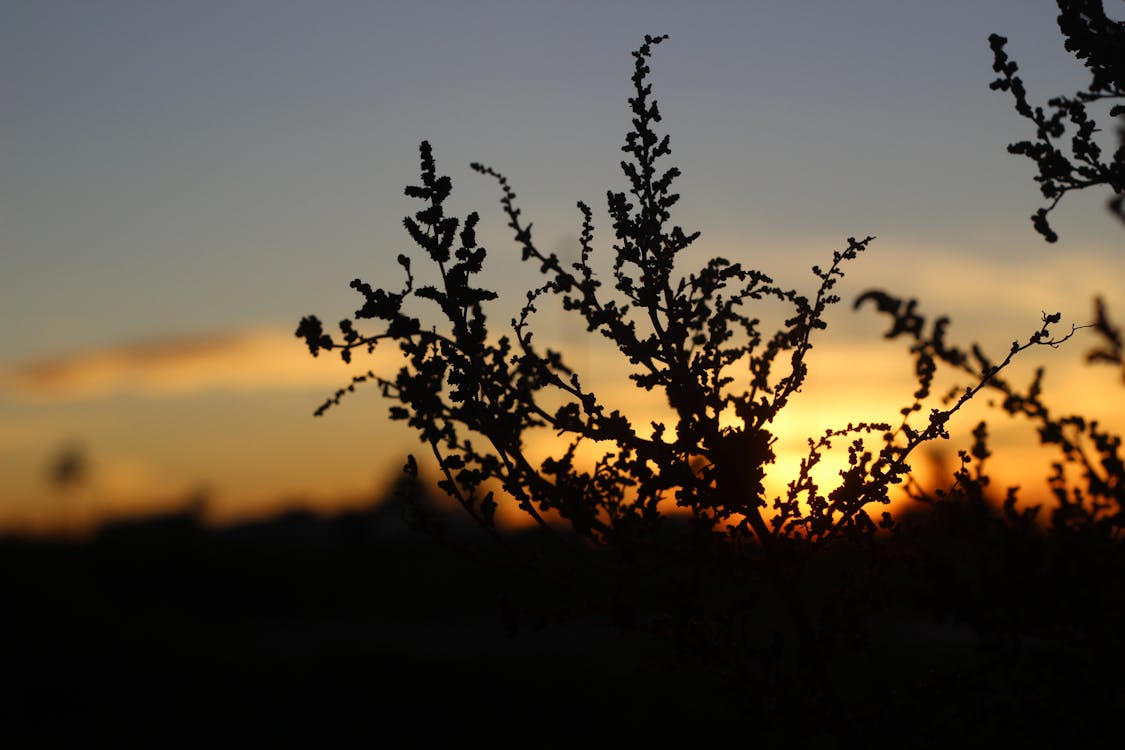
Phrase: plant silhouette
pixel 1094 503
pixel 1038 583
pixel 773 586
pixel 1097 40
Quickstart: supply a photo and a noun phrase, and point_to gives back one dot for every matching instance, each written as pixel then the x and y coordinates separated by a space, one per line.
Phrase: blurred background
pixel 181 182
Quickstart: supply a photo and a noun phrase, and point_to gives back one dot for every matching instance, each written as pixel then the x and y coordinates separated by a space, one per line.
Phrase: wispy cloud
pixel 252 360
pixel 997 289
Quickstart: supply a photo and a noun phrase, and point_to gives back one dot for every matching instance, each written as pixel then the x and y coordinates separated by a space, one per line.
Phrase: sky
pixel 181 182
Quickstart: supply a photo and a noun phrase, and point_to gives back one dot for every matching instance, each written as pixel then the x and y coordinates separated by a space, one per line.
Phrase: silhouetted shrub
pixel 776 588
pixel 1098 41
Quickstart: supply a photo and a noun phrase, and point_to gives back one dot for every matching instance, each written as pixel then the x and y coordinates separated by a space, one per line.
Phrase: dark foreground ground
pixel 355 631
pixel 301 631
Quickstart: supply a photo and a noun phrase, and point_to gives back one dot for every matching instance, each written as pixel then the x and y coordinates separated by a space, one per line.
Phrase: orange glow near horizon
pixel 230 420
pixel 880 383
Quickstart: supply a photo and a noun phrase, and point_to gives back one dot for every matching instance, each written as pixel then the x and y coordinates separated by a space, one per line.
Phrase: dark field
pixel 357 630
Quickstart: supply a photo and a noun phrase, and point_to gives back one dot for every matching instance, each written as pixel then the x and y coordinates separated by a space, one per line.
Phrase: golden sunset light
pixel 214 378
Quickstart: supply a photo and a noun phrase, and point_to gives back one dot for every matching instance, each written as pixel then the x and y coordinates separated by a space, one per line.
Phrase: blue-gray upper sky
pixel 172 167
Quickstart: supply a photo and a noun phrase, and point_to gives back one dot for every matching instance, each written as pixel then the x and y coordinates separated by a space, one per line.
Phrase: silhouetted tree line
pixel 805 602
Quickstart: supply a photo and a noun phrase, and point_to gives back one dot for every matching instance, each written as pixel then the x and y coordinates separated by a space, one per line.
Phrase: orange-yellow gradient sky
pixel 180 183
